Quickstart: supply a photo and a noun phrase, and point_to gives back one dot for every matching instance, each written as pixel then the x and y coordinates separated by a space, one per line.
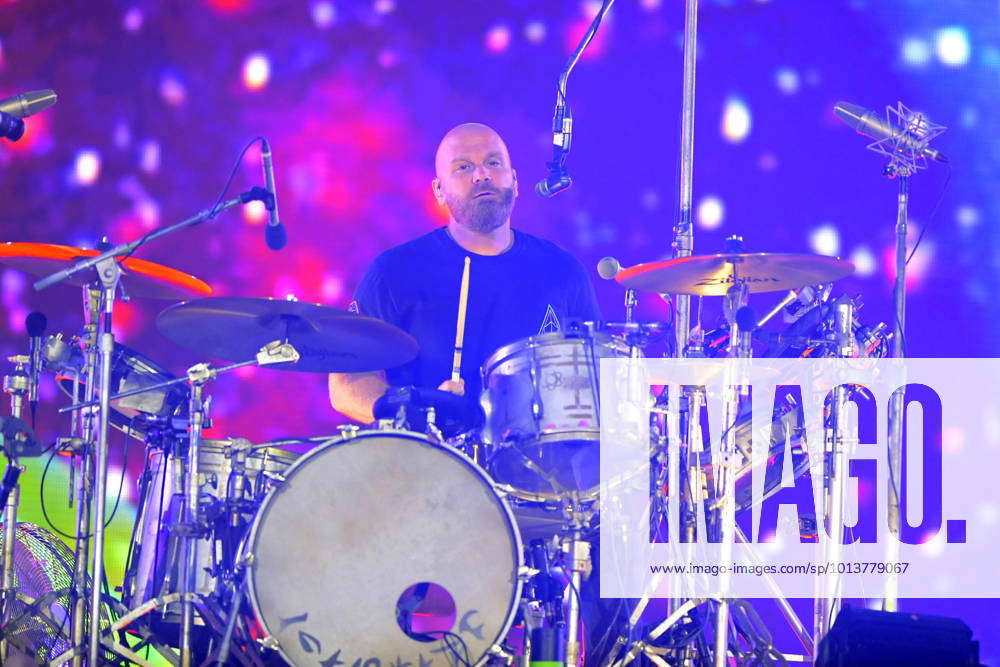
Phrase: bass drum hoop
pixel 249 547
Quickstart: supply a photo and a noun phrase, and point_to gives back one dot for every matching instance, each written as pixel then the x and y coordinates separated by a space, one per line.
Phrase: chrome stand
pixel 838 445
pixel 15 384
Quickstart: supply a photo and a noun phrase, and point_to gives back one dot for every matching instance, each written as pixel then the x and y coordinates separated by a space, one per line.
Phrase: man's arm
pixel 354 394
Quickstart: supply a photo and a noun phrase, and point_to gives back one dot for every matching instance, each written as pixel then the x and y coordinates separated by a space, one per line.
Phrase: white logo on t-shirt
pixel 551 321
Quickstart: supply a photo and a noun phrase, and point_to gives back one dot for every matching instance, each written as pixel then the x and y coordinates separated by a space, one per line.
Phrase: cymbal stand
pixel 827 602
pixel 82 425
pixel 683 243
pixel 109 275
pixel 17 385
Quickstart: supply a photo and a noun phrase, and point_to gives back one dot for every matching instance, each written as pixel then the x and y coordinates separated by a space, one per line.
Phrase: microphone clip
pixel 257 193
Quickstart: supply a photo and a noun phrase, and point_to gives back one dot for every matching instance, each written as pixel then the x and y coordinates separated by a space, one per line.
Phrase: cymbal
pixel 140 277
pixel 713 275
pixel 329 340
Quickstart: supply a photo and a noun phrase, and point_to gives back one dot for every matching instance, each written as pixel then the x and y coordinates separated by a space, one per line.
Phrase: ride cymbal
pixel 329 340
pixel 713 275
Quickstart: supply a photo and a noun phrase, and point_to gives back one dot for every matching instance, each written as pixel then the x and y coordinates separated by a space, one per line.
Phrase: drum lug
pixel 274 476
pixel 348 430
pixel 245 561
pixel 269 643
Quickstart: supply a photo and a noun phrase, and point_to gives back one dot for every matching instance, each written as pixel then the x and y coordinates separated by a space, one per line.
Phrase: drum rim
pixel 248 547
pixel 539 340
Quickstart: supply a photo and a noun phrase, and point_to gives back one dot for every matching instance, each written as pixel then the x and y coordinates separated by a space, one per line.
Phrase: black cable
pixel 45 513
pixel 215 207
pixel 934 211
pixel 447 637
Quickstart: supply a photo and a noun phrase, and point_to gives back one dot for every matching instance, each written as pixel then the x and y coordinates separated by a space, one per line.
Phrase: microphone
pixel 28 104
pixel 867 122
pixel 11 127
pixel 35 323
pixel 608 268
pixel 562 135
pixel 274 233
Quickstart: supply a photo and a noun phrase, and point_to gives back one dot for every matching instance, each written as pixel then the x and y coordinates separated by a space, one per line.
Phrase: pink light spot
pixel 497 39
pixel 172 90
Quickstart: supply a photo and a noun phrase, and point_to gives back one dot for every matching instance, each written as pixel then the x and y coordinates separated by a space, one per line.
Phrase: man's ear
pixel 436 188
pixel 514 173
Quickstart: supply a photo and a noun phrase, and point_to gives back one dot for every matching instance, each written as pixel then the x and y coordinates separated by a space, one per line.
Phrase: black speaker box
pixel 865 637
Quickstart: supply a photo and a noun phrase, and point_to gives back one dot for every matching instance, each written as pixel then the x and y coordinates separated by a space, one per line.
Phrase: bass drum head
pixel 339 548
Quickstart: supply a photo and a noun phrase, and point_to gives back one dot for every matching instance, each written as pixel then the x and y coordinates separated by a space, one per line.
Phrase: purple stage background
pixel 156 99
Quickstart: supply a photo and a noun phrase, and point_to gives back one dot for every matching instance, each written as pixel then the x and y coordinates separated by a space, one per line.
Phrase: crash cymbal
pixel 713 275
pixel 139 276
pixel 328 339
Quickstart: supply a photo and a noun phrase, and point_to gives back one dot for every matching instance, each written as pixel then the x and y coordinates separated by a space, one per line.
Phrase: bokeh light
pixel 916 52
pixel 864 261
pixel 952 46
pixel 825 240
pixel 132 20
pixel 787 80
pixel 87 167
pixel 324 13
pixel 497 38
pixel 256 71
pixel 172 89
pixel 710 212
pixel 735 120
pixel 534 32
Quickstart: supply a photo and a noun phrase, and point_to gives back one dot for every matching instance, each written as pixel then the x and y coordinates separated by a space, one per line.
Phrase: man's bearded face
pixel 485 208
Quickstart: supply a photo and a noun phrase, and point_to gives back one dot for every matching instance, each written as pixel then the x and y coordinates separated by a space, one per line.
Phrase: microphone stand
pixel 906 151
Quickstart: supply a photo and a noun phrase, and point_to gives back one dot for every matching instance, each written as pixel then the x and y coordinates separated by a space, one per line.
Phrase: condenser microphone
pixel 35 323
pixel 867 122
pixel 274 233
pixel 28 104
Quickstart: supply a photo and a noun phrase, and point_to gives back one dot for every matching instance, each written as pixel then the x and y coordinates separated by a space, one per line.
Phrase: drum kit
pixel 450 529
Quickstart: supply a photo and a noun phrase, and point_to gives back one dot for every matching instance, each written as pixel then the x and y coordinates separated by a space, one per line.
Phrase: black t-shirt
pixel 534 287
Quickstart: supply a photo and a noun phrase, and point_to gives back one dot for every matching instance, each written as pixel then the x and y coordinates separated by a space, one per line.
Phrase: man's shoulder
pixel 546 249
pixel 426 244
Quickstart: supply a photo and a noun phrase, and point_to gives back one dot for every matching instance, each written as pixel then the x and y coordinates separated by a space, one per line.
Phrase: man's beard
pixel 482 215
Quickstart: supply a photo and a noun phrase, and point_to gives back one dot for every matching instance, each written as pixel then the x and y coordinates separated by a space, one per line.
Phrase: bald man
pixel 519 285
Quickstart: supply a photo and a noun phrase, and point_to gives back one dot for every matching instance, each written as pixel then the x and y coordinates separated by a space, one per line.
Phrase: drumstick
pixel 463 299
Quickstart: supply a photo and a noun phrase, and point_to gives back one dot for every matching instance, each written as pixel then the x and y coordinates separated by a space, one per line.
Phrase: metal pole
pixel 83 424
pixel 683 244
pixel 827 603
pixel 579 559
pixel 189 570
pixel 890 601
pixel 109 273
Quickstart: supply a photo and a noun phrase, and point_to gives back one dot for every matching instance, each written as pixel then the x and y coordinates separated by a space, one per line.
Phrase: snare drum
pixel 155 565
pixel 381 548
pixel 541 400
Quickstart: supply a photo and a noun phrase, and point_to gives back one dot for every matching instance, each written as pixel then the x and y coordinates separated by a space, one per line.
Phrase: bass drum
pixel 384 548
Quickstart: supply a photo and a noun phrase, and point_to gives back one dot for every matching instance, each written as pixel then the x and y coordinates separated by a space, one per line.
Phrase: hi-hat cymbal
pixel 139 276
pixel 713 275
pixel 328 340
